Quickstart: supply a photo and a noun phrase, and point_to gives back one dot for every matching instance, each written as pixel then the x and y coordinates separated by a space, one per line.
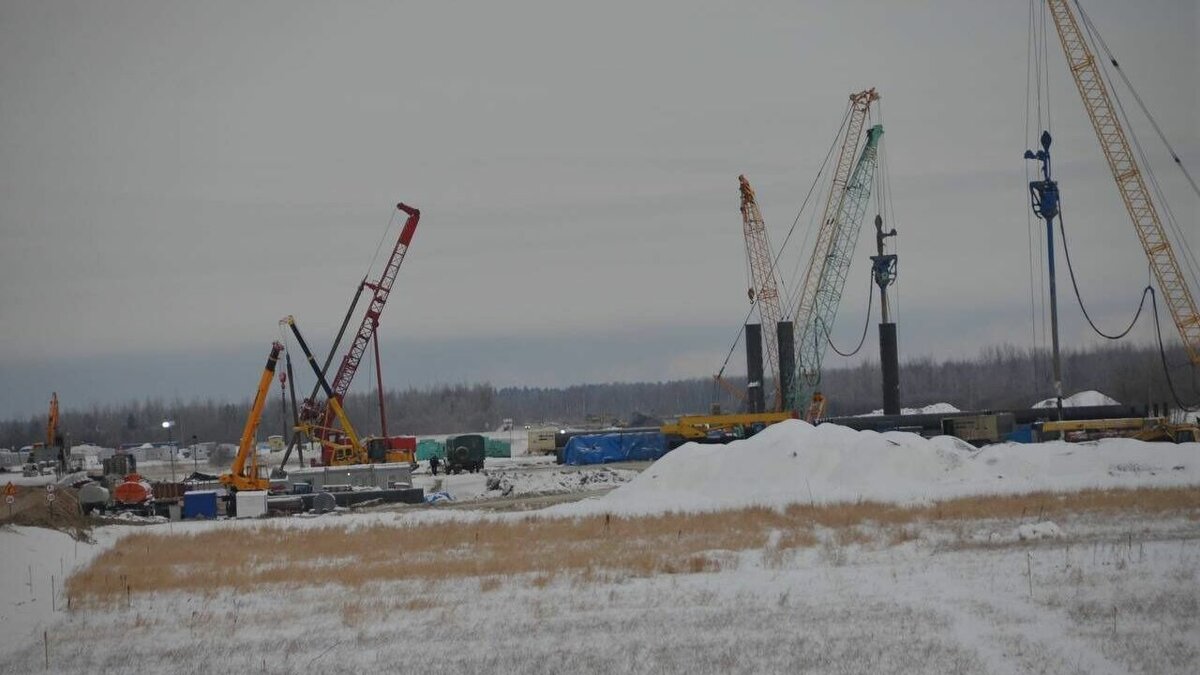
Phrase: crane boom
pixel 1113 142
pixel 762 270
pixel 238 477
pixel 381 289
pixel 860 106
pixel 844 229
pixel 336 454
pixel 52 421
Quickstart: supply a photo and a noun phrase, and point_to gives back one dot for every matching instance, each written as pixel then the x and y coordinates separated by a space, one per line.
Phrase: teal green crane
pixel 846 224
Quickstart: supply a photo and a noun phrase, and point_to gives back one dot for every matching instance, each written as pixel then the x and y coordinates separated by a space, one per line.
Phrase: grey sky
pixel 176 176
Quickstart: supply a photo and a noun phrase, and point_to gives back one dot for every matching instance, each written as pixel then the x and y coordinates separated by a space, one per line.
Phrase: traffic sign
pixel 49 496
pixel 50 488
pixel 10 490
pixel 9 499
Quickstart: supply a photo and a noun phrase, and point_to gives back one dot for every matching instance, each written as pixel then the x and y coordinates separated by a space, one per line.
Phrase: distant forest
pixel 998 378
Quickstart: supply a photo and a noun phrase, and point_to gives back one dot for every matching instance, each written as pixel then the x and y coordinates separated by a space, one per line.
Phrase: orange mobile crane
pixel 243 476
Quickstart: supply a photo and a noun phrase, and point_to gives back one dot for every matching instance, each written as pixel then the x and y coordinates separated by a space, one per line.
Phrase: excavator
pixel 243 474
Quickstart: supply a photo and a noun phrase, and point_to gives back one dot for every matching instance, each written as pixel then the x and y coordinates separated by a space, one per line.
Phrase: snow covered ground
pixel 522 476
pixel 1108 596
pixel 1090 593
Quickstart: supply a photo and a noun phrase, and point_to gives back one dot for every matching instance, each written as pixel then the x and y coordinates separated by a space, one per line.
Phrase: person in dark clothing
pixel 433 465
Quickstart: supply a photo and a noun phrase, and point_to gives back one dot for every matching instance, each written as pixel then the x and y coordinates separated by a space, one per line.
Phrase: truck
pixel 465 452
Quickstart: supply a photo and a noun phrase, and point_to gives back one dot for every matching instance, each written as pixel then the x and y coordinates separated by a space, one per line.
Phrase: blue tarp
pixel 604 448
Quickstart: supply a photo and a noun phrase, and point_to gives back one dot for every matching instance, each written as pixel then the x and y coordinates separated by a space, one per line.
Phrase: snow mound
pixel 1036 531
pixel 931 409
pixel 793 461
pixel 527 483
pixel 1083 398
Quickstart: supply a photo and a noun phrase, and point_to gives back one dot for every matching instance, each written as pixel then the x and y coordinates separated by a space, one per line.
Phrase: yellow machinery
pixel 243 475
pixel 1141 428
pixel 52 439
pixel 703 427
pixel 344 447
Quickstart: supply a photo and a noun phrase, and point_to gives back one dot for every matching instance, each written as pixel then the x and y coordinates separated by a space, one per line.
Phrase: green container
pixel 428 449
pixel 498 448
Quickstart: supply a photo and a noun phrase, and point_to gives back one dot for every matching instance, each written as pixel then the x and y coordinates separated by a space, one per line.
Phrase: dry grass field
pixel 595 548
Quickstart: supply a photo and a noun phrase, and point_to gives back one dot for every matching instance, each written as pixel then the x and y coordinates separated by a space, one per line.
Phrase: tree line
pixel 998 378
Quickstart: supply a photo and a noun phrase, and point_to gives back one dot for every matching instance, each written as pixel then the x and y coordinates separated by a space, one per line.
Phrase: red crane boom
pixel 370 321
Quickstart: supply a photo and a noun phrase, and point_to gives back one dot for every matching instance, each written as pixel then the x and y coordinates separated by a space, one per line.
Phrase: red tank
pixel 133 491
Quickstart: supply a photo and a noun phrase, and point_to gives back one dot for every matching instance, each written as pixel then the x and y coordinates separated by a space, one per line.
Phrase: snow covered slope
pixel 796 462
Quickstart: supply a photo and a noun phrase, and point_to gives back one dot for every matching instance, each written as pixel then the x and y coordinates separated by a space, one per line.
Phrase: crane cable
pixel 1147 291
pixel 1079 298
pixel 866 324
pixel 791 230
pixel 1162 353
pixel 1036 280
pixel 1092 31
pixel 1189 258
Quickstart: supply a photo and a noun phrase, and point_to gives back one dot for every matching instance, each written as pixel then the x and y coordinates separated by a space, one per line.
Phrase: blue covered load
pixel 200 504
pixel 605 448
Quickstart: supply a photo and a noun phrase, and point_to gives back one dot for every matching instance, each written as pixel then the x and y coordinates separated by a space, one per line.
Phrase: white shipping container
pixel 251 504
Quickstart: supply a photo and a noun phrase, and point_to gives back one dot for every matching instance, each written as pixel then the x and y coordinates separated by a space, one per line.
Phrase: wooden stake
pixel 1029 571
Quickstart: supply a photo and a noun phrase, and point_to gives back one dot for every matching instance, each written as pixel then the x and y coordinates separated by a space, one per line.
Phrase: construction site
pixel 770 531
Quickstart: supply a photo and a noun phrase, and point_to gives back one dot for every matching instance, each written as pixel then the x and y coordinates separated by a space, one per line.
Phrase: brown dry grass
pixel 538 550
pixel 31 509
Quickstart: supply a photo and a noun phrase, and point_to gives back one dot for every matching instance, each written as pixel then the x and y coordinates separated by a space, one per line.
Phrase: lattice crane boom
pixel 860 106
pixel 804 313
pixel 844 230
pixel 381 289
pixel 1114 143
pixel 766 287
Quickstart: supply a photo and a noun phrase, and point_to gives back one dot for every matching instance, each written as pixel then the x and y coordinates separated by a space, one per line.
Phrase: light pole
pixel 195 465
pixel 167 424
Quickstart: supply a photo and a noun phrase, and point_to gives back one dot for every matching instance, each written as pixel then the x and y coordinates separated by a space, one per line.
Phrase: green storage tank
pixel 429 449
pixel 498 448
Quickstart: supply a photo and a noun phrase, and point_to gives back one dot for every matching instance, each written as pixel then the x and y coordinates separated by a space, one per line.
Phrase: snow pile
pixel 527 483
pixel 1083 398
pixel 796 462
pixel 1036 531
pixel 931 409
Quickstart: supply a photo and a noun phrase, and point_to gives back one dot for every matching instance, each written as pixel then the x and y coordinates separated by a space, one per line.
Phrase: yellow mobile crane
pixel 240 476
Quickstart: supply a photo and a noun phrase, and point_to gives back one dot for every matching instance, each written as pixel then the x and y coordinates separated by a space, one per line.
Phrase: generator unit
pixel 979 430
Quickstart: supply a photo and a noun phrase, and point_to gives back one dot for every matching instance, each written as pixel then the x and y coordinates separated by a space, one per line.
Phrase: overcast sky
pixel 175 176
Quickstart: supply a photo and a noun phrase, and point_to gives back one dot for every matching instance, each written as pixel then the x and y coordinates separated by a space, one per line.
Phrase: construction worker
pixel 433 465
